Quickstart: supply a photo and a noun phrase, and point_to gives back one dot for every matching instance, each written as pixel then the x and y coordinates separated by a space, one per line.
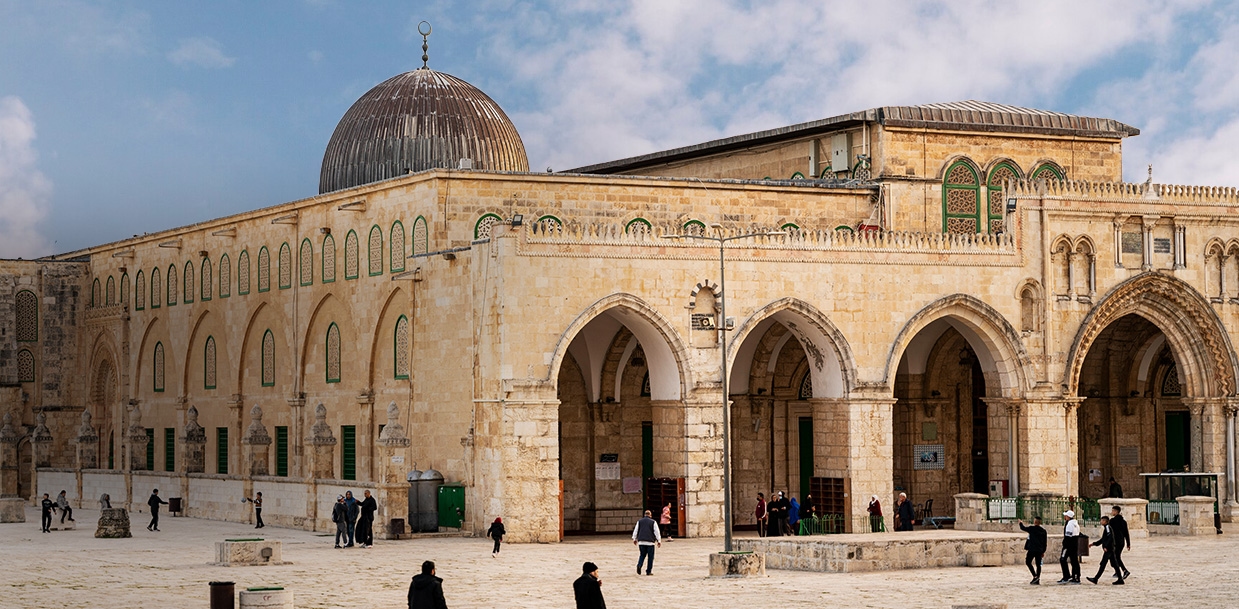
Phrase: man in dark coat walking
pixel 1035 548
pixel 154 502
pixel 365 524
pixel 588 588
pixel 1122 538
pixel 426 591
pixel 907 515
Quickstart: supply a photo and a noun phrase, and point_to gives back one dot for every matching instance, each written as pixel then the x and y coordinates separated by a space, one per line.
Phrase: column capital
pixel 1009 406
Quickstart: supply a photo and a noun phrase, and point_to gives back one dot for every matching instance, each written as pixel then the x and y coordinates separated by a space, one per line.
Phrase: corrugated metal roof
pixel 416 121
pixel 969 115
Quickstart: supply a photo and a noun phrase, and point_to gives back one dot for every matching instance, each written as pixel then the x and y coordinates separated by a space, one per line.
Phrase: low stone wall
pixel 614 520
pixel 883 551
pixel 283 502
pixel 328 490
pixel 52 481
pixel 96 482
pixel 216 497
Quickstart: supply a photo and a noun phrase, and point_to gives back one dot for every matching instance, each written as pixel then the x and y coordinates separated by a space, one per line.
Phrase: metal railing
pixel 1163 512
pixel 1050 510
pixel 835 524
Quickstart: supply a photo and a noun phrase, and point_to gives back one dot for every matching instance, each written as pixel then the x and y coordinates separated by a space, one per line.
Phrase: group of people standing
pixel 780 516
pixel 1115 537
pixel 354 520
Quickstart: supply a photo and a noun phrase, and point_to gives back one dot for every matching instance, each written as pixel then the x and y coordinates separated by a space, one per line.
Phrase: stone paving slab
pixel 73 569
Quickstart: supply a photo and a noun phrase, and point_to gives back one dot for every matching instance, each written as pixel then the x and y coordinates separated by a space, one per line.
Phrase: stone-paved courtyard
pixel 170 569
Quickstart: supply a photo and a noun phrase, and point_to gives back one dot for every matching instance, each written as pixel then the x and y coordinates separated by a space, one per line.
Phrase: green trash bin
pixel 451 505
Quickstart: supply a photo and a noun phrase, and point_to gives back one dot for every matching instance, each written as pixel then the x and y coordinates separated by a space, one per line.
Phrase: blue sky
pixel 125 117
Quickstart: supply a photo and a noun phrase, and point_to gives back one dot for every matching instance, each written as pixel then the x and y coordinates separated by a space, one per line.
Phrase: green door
pixel 647 450
pixel 1178 440
pixel 806 455
pixel 451 505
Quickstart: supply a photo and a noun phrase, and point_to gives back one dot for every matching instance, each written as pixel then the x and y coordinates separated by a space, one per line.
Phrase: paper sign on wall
pixel 606 471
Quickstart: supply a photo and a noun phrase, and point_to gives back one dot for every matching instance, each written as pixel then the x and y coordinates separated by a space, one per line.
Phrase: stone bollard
pixel 248 552
pixel 969 511
pixel 113 523
pixel 12 509
pixel 737 564
pixel 1196 515
pixel 266 598
pixel 1134 511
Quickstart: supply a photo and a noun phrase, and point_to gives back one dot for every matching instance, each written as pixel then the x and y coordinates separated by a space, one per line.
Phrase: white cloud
pixel 25 193
pixel 617 80
pixel 314 56
pixel 200 51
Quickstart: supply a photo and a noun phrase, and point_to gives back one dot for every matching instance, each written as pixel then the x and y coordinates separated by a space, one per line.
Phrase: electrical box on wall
pixel 841 152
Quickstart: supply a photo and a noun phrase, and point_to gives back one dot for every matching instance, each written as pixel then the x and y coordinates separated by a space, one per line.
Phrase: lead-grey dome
pixel 416 121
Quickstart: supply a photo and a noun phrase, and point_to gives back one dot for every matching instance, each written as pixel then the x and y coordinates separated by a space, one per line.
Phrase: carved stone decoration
pixel 41 438
pixel 8 435
pixel 393 433
pixel 256 442
pixel 324 444
pixel 8 459
pixel 113 523
pixel 87 443
pixel 137 440
pixel 194 442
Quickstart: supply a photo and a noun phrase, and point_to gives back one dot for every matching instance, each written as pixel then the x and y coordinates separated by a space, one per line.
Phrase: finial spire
pixel 424 29
pixel 1150 180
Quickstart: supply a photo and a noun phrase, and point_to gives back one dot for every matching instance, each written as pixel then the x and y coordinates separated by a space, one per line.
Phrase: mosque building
pixel 934 299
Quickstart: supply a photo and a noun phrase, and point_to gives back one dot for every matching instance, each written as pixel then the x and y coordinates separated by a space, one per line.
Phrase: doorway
pixel 1178 440
pixel 806 455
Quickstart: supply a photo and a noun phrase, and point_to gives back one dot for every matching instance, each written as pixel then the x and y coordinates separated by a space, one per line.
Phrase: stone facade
pixel 874 347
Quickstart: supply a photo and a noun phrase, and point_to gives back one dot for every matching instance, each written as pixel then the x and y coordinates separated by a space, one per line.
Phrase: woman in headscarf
pixel 496 532
pixel 875 515
pixel 793 516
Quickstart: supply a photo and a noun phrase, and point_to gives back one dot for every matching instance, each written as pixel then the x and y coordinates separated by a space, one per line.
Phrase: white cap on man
pixel 1069 514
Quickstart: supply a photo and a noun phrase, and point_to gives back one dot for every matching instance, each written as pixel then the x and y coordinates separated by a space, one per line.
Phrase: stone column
pixel 236 430
pixel 670 438
pixel 323 443
pixel 365 443
pixel 8 458
pixel 701 441
pixel 41 441
pixel 1196 515
pixel 194 441
pixel 1048 444
pixel 393 487
pixel 1209 436
pixel 528 446
pixel 87 444
pixel 296 437
pixel 871 455
pixel 256 443
pixel 137 440
pixel 999 413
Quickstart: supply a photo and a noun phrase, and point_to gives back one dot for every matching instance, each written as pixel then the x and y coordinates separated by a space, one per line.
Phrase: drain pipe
pixel 1230 455
pixel 1013 420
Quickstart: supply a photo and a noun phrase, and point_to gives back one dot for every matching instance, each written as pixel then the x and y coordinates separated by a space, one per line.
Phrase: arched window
pixel 208 364
pixel 397 247
pixel 1048 172
pixel 189 282
pixel 109 293
pixel 124 289
pixel 481 230
pixel 208 279
pixel 352 266
pixel 1170 382
pixel 157 369
pixel 791 228
pixel 376 250
pixel 225 276
pixel 806 387
pixel 286 266
pixel 329 259
pixel 26 306
pixel 243 273
pixel 1028 309
pixel 139 291
pixel 400 346
pixel 421 236
pixel 264 269
pixel 333 353
pixel 549 222
pixel 95 300
pixel 306 262
pixel 694 227
pixel 638 227
pixel 157 294
pixel 961 200
pixel 25 366
pixel 998 177
pixel 268 359
pixel 172 294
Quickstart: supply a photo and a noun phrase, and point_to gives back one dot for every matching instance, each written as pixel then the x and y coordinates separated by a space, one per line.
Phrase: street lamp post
pixel 722 240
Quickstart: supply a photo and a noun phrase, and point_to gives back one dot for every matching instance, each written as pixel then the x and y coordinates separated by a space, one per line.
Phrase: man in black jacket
pixel 48 505
pixel 365 524
pixel 906 513
pixel 1107 545
pixel 154 503
pixel 588 588
pixel 1122 537
pixel 426 591
pixel 339 513
pixel 646 537
pixel 1035 548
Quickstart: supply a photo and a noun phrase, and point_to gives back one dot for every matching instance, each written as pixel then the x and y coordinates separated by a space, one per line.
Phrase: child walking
pixel 496 532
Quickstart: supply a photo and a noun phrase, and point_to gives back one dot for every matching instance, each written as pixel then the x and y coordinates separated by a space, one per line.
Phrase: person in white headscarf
pixel 875 515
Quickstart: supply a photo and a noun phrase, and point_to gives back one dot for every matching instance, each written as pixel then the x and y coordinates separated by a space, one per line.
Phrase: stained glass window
pixel 264 269
pixel 306 263
pixel 208 279
pixel 172 294
pixel 961 200
pixel 268 359
pixel 189 282
pixel 333 353
pixel 139 292
pixel 27 314
pixel 421 236
pixel 998 177
pixel 124 289
pixel 482 229
pixel 638 227
pixel 157 368
pixel 225 276
pixel 401 347
pixel 208 364
pixel 243 273
pixel 286 266
pixel 25 366
pixel 109 294
pixel 351 254
pixel 156 289
pixel 376 251
pixel 329 259
pixel 397 247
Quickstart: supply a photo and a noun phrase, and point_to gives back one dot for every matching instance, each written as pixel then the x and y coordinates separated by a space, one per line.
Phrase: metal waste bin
pixel 412 477
pixel 174 505
pixel 223 595
pixel 428 501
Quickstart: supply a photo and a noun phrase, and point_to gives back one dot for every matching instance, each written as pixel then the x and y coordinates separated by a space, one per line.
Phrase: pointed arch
pixel 375 250
pixel 328 271
pixel 833 367
pixel 333 362
pixel 1000 173
pixel 157 294
pixel 962 209
pixel 124 289
pixel 243 273
pixel 26 313
pixel 397 247
pixel 96 299
pixel 665 349
pixel 157 368
pixel 482 228
pixel 383 347
pixel 209 371
pixel 139 291
pixel 352 264
pixel 999 348
pixel 421 236
pixel 173 296
pixel 225 276
pixel 188 280
pixel 1196 336
pixel 207 281
pixel 268 359
pixel 305 259
pixel 264 269
pixel 1048 170
pixel 285 268
pixel 109 292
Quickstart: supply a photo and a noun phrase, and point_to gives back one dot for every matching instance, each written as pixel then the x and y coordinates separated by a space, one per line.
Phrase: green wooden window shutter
pixel 281 450
pixel 150 449
pixel 169 449
pixel 221 450
pixel 348 452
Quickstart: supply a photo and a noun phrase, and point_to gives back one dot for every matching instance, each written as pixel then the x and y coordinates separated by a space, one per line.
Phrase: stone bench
pixel 266 598
pixel 248 552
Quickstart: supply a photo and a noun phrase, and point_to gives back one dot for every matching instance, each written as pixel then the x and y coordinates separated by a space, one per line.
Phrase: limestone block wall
pixel 54 481
pixel 214 497
pixel 283 502
pixel 97 482
pixel 55 350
